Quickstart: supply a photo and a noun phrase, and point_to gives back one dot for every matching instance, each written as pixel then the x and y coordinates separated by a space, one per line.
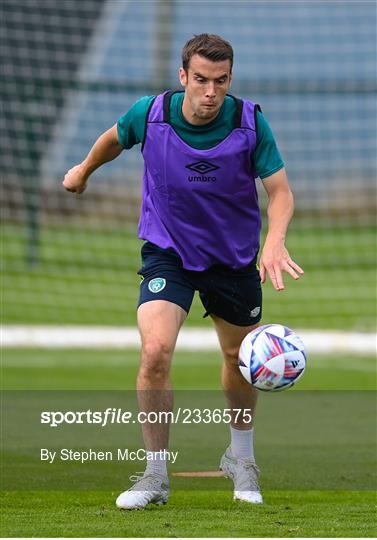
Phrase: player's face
pixel 206 84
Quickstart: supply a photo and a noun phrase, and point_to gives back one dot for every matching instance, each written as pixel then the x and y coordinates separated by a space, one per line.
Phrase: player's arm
pixel 128 131
pixel 106 148
pixel 275 257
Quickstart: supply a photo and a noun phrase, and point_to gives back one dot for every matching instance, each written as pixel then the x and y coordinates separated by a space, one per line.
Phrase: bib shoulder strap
pixel 249 115
pixel 246 113
pixel 238 113
pixel 166 106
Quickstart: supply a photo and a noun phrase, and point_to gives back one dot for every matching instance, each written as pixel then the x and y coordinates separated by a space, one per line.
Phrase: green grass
pixel 88 276
pixel 190 514
pixel 316 461
pixel 87 369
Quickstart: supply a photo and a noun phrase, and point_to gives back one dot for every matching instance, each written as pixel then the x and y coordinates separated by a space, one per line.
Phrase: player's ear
pixel 230 78
pixel 183 76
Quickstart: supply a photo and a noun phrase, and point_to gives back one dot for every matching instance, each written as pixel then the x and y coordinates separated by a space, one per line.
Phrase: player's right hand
pixel 76 179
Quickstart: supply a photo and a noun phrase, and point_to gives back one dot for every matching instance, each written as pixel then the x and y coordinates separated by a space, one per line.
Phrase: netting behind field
pixel 70 69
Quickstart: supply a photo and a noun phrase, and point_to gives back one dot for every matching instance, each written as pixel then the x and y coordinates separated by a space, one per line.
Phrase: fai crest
pixel 157 284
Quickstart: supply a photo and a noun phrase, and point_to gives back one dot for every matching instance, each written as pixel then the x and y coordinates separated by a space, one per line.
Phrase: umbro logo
pixel 202 167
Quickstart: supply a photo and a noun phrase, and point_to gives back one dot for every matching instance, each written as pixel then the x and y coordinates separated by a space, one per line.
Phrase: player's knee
pixel 156 349
pixel 231 356
pixel 155 358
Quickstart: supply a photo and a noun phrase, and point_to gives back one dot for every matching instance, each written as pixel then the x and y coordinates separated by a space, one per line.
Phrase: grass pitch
pixel 205 508
pixel 190 514
pixel 88 276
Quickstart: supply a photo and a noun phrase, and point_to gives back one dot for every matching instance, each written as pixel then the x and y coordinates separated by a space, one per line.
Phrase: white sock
pixel 157 465
pixel 242 443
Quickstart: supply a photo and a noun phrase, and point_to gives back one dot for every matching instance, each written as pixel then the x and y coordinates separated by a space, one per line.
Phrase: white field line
pixel 189 339
pixel 340 363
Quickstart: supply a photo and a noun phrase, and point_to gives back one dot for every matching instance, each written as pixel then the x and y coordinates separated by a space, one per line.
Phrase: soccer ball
pixel 272 357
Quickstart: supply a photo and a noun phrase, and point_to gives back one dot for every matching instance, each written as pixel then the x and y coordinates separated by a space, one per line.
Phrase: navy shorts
pixel 232 295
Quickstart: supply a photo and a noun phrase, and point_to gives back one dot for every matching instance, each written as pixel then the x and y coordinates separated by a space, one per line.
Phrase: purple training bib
pixel 201 203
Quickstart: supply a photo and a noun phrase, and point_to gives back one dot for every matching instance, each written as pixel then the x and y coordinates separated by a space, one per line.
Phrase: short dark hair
pixel 210 46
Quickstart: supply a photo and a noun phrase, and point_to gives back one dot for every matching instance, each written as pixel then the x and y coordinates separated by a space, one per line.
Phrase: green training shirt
pixel 266 157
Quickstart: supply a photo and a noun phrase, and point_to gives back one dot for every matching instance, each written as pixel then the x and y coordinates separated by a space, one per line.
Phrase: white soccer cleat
pixel 244 474
pixel 149 488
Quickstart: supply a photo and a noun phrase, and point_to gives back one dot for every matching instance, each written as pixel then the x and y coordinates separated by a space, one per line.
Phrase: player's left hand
pixel 274 260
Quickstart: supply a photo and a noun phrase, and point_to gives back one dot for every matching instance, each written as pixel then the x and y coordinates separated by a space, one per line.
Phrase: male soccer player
pixel 203 150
